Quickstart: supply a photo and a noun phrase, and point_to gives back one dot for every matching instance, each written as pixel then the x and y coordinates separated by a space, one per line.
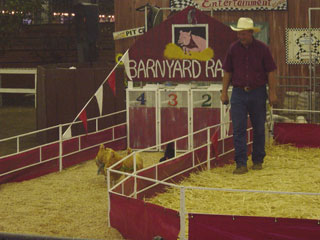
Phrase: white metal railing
pixel 208 143
pixel 298 112
pixel 20 71
pixel 295 110
pixel 183 189
pixel 60 141
pixel 57 127
pixel 156 181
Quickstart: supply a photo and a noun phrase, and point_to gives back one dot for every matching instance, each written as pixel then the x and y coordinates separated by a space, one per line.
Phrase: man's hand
pixel 225 85
pixel 224 98
pixel 272 98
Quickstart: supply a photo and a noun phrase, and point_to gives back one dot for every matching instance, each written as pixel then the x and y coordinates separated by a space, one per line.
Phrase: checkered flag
pixel 182 3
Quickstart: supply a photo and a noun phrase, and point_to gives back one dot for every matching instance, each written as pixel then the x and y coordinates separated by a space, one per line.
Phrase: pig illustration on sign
pixel 191 43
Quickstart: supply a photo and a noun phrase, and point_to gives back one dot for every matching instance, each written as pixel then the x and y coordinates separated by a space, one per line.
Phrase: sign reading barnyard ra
pixel 181 50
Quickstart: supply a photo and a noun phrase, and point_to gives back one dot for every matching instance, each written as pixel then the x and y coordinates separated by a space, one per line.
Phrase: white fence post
pixel 60 148
pixel 208 148
pixel 109 205
pixel 182 214
pixel 0 94
pixel 135 174
pixel 35 87
pixel 18 144
pixel 175 148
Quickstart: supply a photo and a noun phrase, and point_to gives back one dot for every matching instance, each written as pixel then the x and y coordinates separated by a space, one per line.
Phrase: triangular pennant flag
pixel 67 134
pixel 99 96
pixel 214 142
pixel 112 82
pixel 83 118
pixel 125 60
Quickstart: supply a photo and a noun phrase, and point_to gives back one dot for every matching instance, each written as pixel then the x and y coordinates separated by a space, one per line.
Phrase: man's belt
pixel 248 88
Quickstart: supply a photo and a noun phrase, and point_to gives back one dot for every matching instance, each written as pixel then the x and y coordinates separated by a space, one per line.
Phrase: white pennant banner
pixel 67 134
pixel 125 60
pixel 99 96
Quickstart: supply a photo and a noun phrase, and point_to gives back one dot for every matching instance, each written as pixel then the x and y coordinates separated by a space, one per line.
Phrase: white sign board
pixel 128 33
pixel 301 44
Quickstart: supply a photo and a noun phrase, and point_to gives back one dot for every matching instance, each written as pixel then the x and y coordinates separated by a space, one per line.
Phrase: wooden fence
pixel 45 44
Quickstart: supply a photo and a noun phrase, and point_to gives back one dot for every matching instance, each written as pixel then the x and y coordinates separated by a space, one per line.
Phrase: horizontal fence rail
pixel 59 150
pixel 11 236
pixel 155 181
pixel 15 71
pixel 58 128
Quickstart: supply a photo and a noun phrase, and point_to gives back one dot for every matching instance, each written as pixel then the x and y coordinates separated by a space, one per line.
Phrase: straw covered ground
pixel 286 169
pixel 72 203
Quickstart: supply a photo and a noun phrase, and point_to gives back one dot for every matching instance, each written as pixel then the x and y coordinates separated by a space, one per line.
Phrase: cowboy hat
pixel 245 24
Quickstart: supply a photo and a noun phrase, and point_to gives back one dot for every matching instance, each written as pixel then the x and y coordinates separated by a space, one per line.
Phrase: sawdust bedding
pixel 73 203
pixel 286 169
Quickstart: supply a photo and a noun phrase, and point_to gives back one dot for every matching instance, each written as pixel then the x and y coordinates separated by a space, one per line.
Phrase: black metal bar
pixel 293 77
pixel 13 236
pixel 294 86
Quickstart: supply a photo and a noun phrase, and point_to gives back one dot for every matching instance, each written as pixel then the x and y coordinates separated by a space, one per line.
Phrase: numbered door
pixel 205 113
pixel 141 110
pixel 174 115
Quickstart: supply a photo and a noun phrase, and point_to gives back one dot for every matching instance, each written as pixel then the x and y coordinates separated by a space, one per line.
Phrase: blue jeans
pixel 254 104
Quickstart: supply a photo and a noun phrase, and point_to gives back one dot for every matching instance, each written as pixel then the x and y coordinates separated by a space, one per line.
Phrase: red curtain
pixel 300 135
pixel 138 220
pixel 202 226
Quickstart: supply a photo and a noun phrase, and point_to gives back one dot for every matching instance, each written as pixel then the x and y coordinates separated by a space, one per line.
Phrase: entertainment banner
pixel 232 5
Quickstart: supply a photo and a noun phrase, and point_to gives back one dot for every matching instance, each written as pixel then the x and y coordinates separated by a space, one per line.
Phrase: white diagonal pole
pixel 105 80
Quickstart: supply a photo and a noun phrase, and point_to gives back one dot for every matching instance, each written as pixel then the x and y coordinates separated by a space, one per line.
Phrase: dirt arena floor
pixel 72 203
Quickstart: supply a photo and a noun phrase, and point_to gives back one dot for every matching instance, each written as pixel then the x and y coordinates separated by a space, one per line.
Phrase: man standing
pixel 249 66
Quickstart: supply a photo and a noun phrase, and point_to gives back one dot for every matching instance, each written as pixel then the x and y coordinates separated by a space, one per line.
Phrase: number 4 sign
pixel 142 99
